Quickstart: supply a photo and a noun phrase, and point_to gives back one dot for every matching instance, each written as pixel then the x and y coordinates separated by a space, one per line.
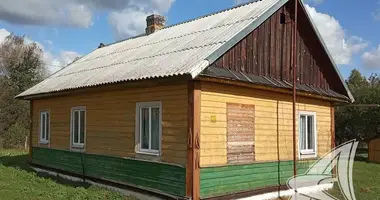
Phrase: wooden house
pixel 199 110
pixel 374 150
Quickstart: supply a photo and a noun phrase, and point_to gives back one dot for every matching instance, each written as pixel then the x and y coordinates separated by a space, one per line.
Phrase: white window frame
pixel 139 106
pixel 78 145
pixel 44 140
pixel 309 153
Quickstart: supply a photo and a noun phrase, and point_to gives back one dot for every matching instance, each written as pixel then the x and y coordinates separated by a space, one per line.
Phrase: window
pixel 44 127
pixel 78 127
pixel 307 134
pixel 148 127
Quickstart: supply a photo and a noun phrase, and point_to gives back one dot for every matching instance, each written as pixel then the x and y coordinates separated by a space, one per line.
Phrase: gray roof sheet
pixel 175 50
pixel 185 48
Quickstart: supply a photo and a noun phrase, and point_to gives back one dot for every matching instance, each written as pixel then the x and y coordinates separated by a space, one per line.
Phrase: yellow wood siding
pixel 273 122
pixel 110 122
pixel 374 151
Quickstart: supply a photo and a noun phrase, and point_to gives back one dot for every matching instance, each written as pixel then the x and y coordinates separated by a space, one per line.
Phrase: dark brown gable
pixel 266 51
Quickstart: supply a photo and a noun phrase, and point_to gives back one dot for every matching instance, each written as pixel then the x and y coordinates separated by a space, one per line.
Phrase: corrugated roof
pixel 175 50
pixel 185 48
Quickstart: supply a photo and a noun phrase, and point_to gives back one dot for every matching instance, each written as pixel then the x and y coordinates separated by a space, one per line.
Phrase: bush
pixel 15 136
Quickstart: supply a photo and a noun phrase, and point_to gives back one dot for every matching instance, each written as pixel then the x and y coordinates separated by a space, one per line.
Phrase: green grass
pixel 19 181
pixel 366 178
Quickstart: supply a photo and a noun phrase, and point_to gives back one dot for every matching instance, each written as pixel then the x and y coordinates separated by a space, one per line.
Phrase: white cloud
pixel 52 62
pixel 3 34
pixel 341 46
pixel 80 13
pixel 124 28
pixel 46 12
pixel 371 59
pixel 131 21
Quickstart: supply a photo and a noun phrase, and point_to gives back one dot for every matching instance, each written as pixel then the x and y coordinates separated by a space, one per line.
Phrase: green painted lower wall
pixel 166 178
pixel 216 181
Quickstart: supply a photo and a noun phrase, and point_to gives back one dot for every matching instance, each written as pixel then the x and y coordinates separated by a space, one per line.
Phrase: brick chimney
pixel 154 23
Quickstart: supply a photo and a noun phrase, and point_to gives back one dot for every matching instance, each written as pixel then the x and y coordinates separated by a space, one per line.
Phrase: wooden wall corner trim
pixel 189 168
pixel 332 112
pixel 193 150
pixel 30 130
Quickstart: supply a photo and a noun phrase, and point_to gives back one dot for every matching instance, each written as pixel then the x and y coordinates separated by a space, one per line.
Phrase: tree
pixel 21 66
pixel 355 121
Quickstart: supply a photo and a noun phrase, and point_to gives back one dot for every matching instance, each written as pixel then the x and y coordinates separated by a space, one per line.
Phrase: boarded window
pixel 240 133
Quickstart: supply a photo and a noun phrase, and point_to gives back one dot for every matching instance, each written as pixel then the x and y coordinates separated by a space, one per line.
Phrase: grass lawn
pixel 366 177
pixel 19 181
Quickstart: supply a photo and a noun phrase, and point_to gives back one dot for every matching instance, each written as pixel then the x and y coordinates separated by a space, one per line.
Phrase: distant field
pixel 18 181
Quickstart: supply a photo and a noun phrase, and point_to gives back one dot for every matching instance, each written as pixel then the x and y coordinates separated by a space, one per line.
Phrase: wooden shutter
pixel 240 133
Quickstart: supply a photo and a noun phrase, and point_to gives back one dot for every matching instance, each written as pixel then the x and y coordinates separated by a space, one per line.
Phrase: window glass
pixel 303 132
pixel 76 126
pixel 145 128
pixel 310 132
pixel 47 126
pixel 82 128
pixel 43 127
pixel 155 128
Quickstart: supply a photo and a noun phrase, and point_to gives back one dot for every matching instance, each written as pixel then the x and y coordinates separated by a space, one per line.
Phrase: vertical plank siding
pixel 273 122
pixel 110 120
pixel 267 52
pixel 374 151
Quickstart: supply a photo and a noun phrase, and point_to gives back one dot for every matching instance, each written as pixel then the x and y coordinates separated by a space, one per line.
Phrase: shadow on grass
pixel 21 162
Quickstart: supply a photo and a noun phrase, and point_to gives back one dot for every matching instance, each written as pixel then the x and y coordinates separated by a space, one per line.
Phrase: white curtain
pixel 303 132
pixel 310 132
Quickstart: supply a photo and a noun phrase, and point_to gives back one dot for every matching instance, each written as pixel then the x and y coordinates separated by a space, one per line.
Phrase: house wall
pixel 110 137
pixel 374 151
pixel 110 120
pixel 273 137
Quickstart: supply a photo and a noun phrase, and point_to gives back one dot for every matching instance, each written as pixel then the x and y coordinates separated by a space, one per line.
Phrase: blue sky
pixel 68 29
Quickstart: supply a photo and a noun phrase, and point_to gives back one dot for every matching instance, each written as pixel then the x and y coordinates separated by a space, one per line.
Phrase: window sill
pixel 43 142
pixel 305 156
pixel 77 148
pixel 148 153
pixel 148 156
